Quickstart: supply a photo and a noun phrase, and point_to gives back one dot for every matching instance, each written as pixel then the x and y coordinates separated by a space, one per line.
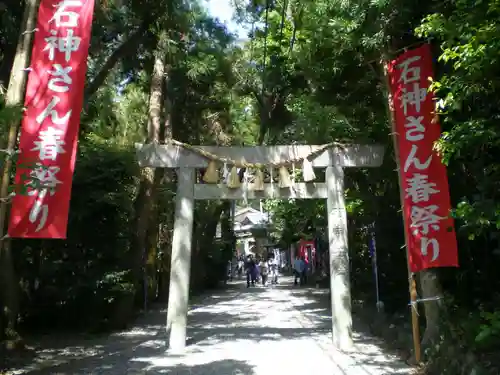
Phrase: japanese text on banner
pixel 430 230
pixel 49 131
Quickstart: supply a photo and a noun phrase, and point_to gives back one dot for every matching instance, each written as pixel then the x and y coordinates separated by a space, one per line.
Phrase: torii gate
pixel 186 158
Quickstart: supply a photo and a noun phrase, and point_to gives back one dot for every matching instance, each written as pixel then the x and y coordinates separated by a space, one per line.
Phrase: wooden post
pixel 14 97
pixel 339 260
pixel 180 269
pixel 412 283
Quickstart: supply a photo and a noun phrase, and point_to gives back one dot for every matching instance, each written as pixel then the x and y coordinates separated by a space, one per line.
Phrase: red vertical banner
pixel 424 182
pixel 49 129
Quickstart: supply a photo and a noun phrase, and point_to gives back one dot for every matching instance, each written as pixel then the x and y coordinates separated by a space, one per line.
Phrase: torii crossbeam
pixel 334 159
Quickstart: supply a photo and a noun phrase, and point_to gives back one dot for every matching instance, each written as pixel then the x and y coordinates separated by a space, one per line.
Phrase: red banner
pixel 49 131
pixel 424 182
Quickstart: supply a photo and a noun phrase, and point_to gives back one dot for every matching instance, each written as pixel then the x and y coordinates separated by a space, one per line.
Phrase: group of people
pixel 260 269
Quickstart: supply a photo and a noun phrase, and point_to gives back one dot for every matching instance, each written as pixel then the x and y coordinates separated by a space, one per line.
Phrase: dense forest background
pixel 309 73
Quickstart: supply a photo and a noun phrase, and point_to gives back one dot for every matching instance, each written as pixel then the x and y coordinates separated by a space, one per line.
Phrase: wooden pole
pixel 14 98
pixel 412 283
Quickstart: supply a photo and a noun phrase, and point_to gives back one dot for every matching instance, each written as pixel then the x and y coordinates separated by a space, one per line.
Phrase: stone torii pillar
pixel 180 269
pixel 334 159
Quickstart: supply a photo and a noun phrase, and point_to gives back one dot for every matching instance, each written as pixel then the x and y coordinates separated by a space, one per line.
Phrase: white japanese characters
pixel 52 112
pixel 44 180
pixel 413 94
pixel 424 221
pixel 414 97
pixel 415 128
pixel 50 144
pixel 65 44
pixel 412 160
pixel 409 71
pixel 60 80
pixel 63 16
pixel 419 188
pixel 60 45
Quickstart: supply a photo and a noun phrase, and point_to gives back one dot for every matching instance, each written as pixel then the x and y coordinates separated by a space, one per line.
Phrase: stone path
pixel 239 331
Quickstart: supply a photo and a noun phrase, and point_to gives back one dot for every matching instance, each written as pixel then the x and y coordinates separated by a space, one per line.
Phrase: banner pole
pixel 412 284
pixel 375 270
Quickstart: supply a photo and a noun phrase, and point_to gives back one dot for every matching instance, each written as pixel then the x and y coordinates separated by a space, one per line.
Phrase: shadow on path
pixel 314 305
pixel 254 331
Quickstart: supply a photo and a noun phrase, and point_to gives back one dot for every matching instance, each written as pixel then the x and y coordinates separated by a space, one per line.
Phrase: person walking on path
pixel 264 271
pixel 257 271
pixel 298 270
pixel 273 269
pixel 305 269
pixel 251 271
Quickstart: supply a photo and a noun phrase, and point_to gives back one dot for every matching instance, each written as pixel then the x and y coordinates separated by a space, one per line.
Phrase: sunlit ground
pixel 257 331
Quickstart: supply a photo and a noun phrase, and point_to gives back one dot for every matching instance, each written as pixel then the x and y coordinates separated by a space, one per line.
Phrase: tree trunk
pixel 227 233
pixel 430 287
pixel 212 221
pixel 204 238
pixel 164 260
pixel 153 232
pixel 15 94
pixel 225 220
pixel 161 177
pixel 144 202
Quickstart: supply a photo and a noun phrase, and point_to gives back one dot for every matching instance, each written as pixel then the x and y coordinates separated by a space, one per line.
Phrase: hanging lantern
pixel 308 171
pixel 233 181
pixel 285 181
pixel 211 175
pixel 258 183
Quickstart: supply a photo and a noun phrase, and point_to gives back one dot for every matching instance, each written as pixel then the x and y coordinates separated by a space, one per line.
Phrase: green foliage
pixel 490 330
pixel 467 91
pixel 296 219
pixel 83 281
pixel 8 115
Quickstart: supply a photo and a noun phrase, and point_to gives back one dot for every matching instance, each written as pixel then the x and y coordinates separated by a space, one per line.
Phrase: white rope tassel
pixel 258 183
pixel 211 175
pixel 308 171
pixel 233 181
pixel 285 181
